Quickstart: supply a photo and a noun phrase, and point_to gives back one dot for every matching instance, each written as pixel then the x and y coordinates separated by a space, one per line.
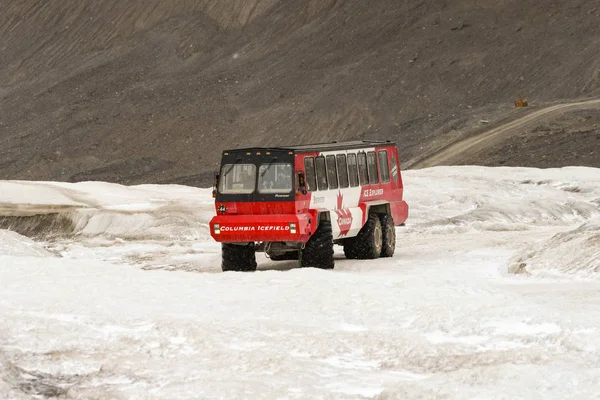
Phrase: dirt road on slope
pixel 465 148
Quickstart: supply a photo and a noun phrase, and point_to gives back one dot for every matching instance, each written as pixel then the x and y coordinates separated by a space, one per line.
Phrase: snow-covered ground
pixel 116 293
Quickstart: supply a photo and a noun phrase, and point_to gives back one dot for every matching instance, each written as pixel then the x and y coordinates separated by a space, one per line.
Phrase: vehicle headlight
pixel 292 227
pixel 217 229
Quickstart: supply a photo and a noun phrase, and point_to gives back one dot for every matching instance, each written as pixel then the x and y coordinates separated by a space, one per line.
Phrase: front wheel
pixel 237 257
pixel 318 251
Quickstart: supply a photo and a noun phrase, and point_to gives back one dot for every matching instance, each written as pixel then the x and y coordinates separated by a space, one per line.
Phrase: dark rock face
pixel 152 91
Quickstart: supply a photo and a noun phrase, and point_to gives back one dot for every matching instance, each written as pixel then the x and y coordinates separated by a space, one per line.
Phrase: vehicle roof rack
pixel 323 146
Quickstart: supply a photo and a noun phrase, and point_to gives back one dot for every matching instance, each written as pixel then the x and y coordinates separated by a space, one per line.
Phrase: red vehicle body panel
pixel 348 208
pixel 264 228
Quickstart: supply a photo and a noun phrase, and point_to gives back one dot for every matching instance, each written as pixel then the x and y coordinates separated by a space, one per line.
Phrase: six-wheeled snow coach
pixel 296 202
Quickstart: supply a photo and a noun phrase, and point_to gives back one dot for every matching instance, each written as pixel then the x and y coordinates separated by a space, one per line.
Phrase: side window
pixel 394 169
pixel 362 169
pixel 383 166
pixel 372 164
pixel 332 172
pixel 311 177
pixel 352 170
pixel 342 168
pixel 321 173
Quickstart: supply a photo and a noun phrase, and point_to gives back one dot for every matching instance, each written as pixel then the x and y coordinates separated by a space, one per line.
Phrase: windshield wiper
pixel 232 165
pixel 268 166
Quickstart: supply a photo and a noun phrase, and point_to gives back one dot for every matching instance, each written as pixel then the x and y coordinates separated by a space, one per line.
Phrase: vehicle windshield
pixel 275 178
pixel 237 178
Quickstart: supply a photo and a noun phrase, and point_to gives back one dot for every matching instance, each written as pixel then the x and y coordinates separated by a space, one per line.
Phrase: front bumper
pixel 262 228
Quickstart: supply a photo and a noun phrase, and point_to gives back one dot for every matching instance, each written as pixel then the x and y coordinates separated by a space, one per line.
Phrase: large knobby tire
pixel 235 257
pixel 318 251
pixel 368 243
pixel 388 237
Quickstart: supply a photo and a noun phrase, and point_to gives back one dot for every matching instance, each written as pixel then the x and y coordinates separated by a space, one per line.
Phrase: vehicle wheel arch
pixel 324 215
pixel 381 208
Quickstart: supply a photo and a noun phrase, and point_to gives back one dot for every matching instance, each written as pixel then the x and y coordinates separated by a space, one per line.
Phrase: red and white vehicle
pixel 296 202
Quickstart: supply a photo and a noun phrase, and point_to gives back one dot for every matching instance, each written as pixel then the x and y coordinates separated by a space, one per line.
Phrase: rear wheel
pixel 236 257
pixel 388 231
pixel 368 243
pixel 318 251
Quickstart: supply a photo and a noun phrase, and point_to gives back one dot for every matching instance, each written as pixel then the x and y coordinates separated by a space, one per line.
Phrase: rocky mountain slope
pixel 152 91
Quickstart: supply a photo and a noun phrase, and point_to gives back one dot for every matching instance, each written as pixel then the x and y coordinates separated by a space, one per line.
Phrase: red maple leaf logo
pixel 344 215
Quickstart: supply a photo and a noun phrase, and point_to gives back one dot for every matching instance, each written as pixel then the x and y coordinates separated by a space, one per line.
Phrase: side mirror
pixel 302 182
pixel 214 192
